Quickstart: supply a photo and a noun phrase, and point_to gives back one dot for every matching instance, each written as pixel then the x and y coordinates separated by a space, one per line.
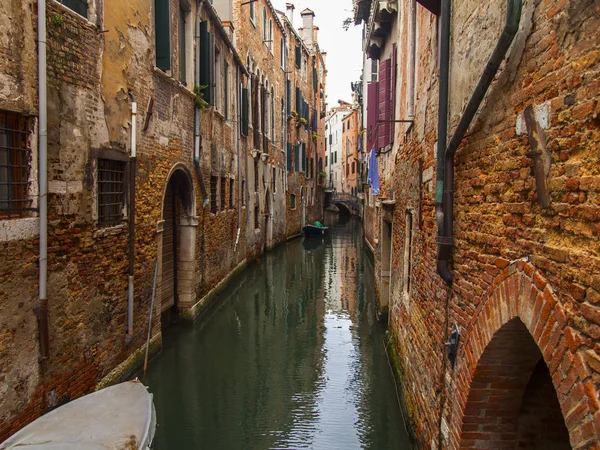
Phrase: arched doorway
pixel 177 245
pixel 512 399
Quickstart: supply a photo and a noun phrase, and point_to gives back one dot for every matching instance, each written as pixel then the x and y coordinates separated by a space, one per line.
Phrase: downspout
pixel 445 241
pixel 132 172
pixel 42 306
pixel 239 169
pixel 412 58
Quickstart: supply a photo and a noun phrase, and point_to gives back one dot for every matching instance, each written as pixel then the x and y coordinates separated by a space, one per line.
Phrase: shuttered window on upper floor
pixel 206 58
pixel 298 57
pixel 245 111
pixel 162 25
pixel 384 125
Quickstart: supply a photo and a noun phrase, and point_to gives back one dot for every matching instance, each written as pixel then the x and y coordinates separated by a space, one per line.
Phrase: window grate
pixel 111 191
pixel 15 158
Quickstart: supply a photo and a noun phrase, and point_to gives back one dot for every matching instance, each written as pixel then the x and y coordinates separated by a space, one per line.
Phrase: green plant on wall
pixel 199 101
pixel 303 121
pixel 58 20
pixel 315 135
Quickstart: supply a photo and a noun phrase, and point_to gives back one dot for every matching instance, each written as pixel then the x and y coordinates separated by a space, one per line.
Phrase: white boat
pixel 119 417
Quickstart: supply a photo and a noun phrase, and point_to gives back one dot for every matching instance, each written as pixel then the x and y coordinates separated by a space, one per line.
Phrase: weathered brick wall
pixel 553 62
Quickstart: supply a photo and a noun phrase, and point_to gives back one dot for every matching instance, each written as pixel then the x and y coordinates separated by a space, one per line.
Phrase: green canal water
pixel 293 357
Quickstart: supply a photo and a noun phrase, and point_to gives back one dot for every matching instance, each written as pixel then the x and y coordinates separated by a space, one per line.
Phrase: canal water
pixel 293 357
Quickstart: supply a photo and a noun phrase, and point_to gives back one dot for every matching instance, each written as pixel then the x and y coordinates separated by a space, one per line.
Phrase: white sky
pixel 344 54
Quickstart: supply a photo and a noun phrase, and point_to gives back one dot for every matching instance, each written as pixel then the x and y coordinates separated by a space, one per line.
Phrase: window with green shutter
pixel 298 57
pixel 315 83
pixel 290 157
pixel 162 26
pixel 205 62
pixel 245 111
pixel 297 165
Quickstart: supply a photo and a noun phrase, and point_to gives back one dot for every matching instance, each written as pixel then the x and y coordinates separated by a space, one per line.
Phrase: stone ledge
pixel 19 229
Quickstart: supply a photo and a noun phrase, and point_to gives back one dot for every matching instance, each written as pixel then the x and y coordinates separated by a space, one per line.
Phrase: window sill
pixel 19 229
pixel 113 230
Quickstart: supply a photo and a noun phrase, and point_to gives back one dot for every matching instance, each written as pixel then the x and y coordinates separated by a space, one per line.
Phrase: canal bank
pixel 291 356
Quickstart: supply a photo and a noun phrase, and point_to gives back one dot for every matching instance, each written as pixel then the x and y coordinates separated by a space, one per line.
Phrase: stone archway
pixel 177 244
pixel 521 325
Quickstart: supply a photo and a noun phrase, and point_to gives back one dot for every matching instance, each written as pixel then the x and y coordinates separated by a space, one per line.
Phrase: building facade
pixel 334 134
pixel 350 154
pixel 486 224
pixel 166 167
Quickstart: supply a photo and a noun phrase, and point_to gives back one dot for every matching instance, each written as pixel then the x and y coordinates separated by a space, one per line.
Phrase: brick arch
pixel 521 292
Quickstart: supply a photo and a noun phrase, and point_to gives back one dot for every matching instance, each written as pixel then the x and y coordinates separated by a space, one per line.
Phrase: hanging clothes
pixel 373 177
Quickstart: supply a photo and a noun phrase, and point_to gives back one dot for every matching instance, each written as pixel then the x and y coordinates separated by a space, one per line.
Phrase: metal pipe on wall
pixel 446 241
pixel 42 306
pixel 132 174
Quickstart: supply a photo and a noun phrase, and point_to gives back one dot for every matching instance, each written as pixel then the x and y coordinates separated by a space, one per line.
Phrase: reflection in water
pixel 292 358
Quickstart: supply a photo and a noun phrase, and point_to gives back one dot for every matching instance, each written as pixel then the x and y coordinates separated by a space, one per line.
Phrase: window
pixel 218 74
pixel 15 156
pixel 182 43
pixel 282 53
pixel 79 6
pixel 298 57
pixel 256 216
pixel 223 184
pixel 206 55
pixel 252 16
pixel 162 26
pixel 353 167
pixel 226 88
pixel 231 193
pixel 111 191
pixel 273 137
pixel 293 201
pixel 408 232
pixel 265 25
pixel 214 182
pixel 325 160
pixel 374 70
pixel 271 35
pixel 274 180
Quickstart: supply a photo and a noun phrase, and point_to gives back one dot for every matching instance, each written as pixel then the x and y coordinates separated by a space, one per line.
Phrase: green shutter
pixel 245 111
pixel 297 166
pixel 162 27
pixel 288 97
pixel 205 68
pixel 298 57
pixel 315 84
pixel 290 157
pixel 298 102
pixel 303 157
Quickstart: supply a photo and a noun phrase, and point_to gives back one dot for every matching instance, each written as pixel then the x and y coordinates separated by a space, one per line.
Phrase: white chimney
pixel 308 18
pixel 289 12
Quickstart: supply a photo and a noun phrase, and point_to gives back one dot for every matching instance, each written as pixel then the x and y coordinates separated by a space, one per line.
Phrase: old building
pixel 305 111
pixel 138 130
pixel 350 153
pixel 334 134
pixel 509 170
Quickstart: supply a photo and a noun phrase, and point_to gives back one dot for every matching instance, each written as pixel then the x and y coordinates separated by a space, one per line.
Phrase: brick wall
pixel 512 258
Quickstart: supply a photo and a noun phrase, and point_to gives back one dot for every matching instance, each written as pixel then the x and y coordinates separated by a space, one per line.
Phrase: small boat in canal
pixel 315 230
pixel 119 417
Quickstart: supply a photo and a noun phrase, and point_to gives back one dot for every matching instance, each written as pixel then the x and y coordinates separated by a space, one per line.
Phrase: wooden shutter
pixel 205 61
pixel 383 134
pixel 290 157
pixel 162 18
pixel 372 115
pixel 255 117
pixel 245 111
pixel 298 57
pixel 298 102
pixel 303 157
pixel 315 83
pixel 393 79
pixel 288 97
pixel 297 166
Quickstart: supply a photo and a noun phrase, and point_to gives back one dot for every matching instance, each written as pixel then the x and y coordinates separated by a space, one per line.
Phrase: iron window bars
pixel 111 191
pixel 15 158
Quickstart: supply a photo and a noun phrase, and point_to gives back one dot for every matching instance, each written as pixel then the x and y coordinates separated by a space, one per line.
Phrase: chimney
pixel 316 35
pixel 308 18
pixel 289 12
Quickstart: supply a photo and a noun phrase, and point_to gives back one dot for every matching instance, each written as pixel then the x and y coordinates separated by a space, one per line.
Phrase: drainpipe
pixel 412 58
pixel 238 138
pixel 442 266
pixel 445 241
pixel 132 172
pixel 42 307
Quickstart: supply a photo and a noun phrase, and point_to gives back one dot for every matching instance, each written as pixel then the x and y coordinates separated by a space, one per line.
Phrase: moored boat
pixel 119 417
pixel 313 230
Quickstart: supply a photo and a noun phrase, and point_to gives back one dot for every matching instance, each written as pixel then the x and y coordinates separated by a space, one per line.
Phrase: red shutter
pixel 393 76
pixel 372 114
pixel 383 134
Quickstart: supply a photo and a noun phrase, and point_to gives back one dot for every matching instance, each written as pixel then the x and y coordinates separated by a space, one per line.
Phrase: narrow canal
pixel 293 357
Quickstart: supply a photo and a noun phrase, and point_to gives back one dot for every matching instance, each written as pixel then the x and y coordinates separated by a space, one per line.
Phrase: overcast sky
pixel 344 55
